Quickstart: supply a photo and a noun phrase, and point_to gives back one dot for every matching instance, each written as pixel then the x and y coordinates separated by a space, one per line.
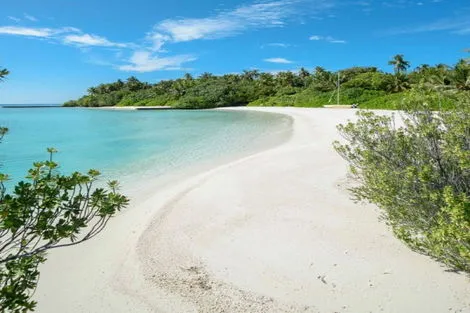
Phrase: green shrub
pixel 370 81
pixel 48 211
pixel 388 102
pixel 418 174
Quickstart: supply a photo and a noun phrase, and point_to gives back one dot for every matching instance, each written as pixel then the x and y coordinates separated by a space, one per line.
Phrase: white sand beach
pixel 272 232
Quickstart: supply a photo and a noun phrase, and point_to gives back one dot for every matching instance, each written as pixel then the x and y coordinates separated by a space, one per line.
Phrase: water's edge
pixel 140 189
pixel 142 150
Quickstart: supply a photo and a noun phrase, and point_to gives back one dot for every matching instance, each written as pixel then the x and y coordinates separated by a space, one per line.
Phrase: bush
pixel 418 174
pixel 49 211
pixel 371 81
pixel 386 102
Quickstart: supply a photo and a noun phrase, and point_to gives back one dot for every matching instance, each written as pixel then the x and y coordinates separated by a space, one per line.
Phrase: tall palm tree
pixel 400 65
pixel 3 73
pixel 250 75
pixel 286 79
pixel 461 75
pixel 324 80
pixel 422 68
pixel 206 76
pixel 400 83
pixel 303 73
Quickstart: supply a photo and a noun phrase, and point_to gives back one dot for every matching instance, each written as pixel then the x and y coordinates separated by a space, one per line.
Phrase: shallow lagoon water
pixel 129 144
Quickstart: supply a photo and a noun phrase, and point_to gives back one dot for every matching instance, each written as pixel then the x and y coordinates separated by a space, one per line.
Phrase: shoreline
pixel 132 108
pixel 151 180
pixel 274 231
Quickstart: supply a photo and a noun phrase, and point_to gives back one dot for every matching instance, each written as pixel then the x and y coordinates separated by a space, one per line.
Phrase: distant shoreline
pixel 25 106
pixel 133 108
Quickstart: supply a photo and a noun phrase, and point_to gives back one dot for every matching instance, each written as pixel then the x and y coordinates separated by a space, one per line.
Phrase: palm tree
pixel 266 84
pixel 324 80
pixel 422 68
pixel 305 77
pixel 286 79
pixel 231 78
pixel 206 76
pixel 303 73
pixel 250 75
pixel 461 75
pixel 3 73
pixel 400 83
pixel 400 65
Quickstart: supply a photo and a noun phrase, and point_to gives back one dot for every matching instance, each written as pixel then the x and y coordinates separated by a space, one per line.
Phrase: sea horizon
pixel 3 105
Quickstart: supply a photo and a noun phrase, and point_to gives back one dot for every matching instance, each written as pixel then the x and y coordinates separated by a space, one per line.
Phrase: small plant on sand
pixel 418 174
pixel 48 211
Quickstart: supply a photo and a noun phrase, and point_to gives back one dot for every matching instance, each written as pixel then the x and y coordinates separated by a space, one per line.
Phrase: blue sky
pixel 56 49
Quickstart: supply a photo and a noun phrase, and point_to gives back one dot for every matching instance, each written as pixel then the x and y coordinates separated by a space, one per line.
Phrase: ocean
pixel 129 145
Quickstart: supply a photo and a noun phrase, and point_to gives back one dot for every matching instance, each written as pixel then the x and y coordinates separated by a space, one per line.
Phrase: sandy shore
pixel 273 232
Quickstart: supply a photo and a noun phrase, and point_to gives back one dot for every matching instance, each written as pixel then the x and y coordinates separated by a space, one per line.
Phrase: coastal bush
pixel 48 211
pixel 151 96
pixel 388 102
pixel 418 174
pixel 370 81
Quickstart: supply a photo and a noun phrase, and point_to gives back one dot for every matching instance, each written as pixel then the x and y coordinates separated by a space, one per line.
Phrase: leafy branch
pixel 48 211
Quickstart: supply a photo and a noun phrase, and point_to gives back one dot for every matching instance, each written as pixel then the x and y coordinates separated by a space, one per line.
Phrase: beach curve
pixel 272 232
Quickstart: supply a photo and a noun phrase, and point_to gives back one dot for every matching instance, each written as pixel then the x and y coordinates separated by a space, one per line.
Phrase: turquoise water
pixel 124 144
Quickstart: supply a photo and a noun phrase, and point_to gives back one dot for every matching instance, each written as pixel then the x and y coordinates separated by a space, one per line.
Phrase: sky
pixel 57 49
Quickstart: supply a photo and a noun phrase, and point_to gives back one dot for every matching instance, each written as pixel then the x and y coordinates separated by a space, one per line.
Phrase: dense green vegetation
pixel 47 211
pixel 419 174
pixel 367 86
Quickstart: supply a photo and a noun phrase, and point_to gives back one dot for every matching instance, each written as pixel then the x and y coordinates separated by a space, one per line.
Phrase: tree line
pixel 365 85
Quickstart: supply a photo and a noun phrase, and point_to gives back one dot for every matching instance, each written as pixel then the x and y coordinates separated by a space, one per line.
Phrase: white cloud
pixel 36 31
pixel 30 17
pixel 278 44
pixel 91 40
pixel 191 29
pixel 278 61
pixel 67 30
pixel 14 19
pixel 26 31
pixel 158 40
pixel 144 61
pixel 271 13
pixel 337 41
pixel 315 37
pixel 455 25
pixel 327 39
pixel 67 35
